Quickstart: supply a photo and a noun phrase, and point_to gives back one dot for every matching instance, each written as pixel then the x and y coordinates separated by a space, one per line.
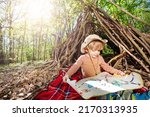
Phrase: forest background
pixel 29 30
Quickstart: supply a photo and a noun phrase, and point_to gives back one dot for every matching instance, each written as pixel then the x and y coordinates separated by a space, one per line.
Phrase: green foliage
pixel 107 50
pixel 138 8
pixel 28 54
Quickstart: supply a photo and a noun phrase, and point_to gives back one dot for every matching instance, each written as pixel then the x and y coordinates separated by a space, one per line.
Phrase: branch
pixel 117 57
pixel 140 62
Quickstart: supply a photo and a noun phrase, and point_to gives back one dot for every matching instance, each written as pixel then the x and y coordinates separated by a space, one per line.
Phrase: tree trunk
pixel 1 47
pixel 45 45
pixel 33 48
pixel 23 40
pixel 10 33
pixel 40 40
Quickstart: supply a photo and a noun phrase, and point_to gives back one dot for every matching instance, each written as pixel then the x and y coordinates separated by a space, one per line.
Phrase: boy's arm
pixel 75 67
pixel 109 68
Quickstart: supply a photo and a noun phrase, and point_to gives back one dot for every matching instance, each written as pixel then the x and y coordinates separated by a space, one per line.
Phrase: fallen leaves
pixel 23 82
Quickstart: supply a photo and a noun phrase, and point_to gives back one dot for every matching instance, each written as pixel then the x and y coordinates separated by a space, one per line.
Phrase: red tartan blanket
pixel 58 90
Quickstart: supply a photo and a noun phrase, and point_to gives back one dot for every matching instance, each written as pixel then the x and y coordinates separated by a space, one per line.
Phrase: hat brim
pixel 84 45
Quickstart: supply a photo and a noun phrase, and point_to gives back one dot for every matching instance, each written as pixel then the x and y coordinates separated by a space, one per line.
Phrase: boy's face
pixel 96 46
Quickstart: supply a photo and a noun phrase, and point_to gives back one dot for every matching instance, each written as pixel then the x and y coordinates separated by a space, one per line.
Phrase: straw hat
pixel 89 39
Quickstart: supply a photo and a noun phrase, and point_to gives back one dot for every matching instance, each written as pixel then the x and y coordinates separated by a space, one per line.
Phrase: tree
pixel 7 18
pixel 2 57
pixel 1 46
pixel 23 40
pixel 134 11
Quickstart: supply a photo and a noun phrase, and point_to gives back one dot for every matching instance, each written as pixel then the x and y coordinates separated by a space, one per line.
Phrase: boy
pixel 91 62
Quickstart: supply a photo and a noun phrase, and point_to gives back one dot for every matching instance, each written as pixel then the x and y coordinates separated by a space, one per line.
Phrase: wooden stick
pixel 143 44
pixel 138 48
pixel 139 61
pixel 117 57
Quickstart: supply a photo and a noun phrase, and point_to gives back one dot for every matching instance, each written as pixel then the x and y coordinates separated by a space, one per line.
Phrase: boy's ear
pixel 86 50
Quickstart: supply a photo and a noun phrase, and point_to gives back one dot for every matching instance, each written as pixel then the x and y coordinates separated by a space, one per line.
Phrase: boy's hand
pixel 120 73
pixel 127 71
pixel 65 78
